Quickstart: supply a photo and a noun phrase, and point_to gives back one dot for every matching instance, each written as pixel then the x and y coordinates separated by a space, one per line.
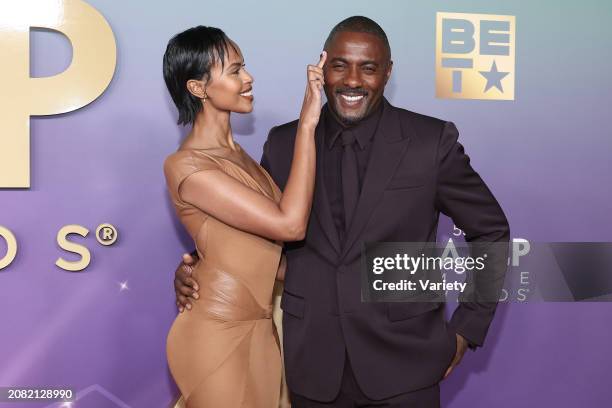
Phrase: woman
pixel 225 353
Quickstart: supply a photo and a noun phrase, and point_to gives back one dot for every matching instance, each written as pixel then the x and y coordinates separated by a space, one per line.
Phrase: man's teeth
pixel 248 93
pixel 352 98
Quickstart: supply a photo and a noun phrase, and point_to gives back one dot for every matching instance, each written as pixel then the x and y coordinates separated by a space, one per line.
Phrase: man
pixel 383 174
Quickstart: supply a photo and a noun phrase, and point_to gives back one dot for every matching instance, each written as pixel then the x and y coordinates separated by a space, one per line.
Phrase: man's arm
pixel 463 196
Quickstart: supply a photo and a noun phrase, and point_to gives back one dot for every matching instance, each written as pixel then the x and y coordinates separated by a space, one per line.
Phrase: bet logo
pixel 475 56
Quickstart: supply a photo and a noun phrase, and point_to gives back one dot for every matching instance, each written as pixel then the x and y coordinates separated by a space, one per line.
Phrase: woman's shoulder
pixel 182 163
pixel 191 159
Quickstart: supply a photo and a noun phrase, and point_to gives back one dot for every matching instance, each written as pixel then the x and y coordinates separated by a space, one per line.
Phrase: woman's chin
pixel 244 109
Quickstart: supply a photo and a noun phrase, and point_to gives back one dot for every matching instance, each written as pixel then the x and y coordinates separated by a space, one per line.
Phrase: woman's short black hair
pixel 191 55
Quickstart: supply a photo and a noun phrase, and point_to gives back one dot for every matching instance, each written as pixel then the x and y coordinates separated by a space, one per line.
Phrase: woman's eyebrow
pixel 234 64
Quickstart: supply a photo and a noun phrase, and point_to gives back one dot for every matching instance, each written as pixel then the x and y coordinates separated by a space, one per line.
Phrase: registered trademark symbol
pixel 106 234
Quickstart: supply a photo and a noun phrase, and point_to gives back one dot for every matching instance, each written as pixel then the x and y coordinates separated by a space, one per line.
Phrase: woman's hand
pixel 311 107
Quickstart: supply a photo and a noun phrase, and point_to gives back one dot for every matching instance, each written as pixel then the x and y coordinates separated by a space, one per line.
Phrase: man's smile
pixel 351 100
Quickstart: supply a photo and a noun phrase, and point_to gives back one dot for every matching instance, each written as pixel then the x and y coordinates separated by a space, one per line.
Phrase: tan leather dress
pixel 225 351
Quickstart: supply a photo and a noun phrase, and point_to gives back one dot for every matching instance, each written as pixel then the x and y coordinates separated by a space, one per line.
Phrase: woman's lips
pixel 248 94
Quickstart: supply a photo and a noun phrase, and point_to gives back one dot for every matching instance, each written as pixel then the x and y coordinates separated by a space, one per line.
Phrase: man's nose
pixel 353 77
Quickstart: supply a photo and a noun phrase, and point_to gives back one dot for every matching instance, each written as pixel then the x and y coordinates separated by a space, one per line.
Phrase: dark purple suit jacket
pixel 417 169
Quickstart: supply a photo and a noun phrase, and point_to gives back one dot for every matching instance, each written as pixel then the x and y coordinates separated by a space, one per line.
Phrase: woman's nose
pixel 248 78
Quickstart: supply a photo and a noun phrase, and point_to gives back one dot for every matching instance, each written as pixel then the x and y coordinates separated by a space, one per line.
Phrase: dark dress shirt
pixel 364 132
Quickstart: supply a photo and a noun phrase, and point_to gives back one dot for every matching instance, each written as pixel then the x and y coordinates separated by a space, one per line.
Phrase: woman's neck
pixel 211 129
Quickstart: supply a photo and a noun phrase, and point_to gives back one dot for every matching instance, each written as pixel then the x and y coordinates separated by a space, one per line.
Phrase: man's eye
pixel 369 69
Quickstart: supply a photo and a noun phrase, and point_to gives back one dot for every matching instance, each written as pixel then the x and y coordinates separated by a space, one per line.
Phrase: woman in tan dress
pixel 226 353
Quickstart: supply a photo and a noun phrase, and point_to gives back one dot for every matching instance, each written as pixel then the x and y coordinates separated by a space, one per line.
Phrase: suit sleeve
pixel 264 162
pixel 265 156
pixel 463 196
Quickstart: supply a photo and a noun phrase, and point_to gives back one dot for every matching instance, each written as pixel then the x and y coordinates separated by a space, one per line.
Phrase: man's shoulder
pixel 281 138
pixel 419 120
pixel 289 128
pixel 425 129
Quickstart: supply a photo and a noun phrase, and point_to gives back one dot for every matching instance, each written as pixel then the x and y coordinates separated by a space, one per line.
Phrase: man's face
pixel 356 72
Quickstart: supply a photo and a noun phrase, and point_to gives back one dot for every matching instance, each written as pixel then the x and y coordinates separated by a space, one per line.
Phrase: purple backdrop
pixel 545 155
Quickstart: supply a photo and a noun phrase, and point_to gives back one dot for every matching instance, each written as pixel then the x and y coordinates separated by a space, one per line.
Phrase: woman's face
pixel 230 88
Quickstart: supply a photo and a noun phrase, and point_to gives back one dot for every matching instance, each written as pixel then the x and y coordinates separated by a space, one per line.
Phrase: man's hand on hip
pixel 185 286
pixel 462 345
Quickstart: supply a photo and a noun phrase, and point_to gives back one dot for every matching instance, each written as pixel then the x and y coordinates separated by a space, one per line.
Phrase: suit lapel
pixel 321 205
pixel 389 147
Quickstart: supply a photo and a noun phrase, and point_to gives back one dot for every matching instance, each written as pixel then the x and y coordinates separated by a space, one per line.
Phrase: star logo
pixel 493 77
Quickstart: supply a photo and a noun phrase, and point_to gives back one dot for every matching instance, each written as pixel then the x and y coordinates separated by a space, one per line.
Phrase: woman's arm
pixel 230 201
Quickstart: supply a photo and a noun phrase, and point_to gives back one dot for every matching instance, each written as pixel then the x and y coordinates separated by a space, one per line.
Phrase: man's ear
pixel 388 73
pixel 197 88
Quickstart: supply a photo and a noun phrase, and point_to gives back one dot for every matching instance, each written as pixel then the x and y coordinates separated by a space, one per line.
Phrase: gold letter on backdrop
pixel 94 56
pixel 62 241
pixel 11 247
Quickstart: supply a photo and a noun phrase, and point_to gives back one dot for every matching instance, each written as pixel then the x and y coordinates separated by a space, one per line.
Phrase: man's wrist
pixel 470 344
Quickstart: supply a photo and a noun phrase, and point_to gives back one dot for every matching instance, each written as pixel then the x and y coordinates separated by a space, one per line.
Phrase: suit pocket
pixel 292 304
pixel 405 183
pixel 405 310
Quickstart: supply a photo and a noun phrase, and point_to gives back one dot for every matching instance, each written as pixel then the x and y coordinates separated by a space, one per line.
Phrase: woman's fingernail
pixel 195 295
pixel 189 306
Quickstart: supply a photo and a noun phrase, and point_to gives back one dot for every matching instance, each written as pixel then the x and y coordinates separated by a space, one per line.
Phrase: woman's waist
pixel 227 295
pixel 252 269
pixel 230 252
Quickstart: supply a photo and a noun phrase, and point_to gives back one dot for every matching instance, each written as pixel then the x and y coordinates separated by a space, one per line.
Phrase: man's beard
pixel 350 120
pixel 353 119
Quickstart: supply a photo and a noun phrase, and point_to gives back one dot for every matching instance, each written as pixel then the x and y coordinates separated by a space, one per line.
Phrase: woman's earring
pixel 205 97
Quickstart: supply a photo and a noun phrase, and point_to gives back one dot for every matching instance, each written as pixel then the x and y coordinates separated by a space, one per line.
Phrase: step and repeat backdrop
pixel 89 240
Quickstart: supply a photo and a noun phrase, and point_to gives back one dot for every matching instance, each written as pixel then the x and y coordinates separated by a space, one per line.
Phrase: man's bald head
pixel 359 24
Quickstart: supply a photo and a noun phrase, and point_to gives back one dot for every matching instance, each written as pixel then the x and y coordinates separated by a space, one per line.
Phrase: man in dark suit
pixel 383 174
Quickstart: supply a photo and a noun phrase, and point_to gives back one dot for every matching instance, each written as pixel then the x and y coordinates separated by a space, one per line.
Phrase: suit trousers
pixel 351 396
